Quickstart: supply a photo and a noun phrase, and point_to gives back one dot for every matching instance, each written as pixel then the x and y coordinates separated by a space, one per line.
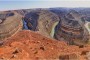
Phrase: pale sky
pixel 27 4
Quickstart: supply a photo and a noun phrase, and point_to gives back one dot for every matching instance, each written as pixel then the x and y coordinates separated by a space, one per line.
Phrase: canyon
pixel 52 33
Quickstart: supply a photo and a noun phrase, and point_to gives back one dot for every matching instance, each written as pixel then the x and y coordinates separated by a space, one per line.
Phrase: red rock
pixel 26 45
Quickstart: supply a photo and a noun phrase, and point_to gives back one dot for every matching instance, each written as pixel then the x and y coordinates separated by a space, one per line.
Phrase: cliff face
pixel 10 23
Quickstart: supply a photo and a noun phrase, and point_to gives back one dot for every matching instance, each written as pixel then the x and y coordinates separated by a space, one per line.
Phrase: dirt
pixel 29 45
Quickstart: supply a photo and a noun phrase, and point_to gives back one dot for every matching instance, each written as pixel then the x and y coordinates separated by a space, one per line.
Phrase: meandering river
pixel 87 26
pixel 53 29
pixel 24 25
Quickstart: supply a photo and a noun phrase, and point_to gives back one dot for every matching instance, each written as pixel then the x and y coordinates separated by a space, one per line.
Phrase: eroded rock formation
pixel 71 28
pixel 42 21
pixel 10 23
pixel 25 45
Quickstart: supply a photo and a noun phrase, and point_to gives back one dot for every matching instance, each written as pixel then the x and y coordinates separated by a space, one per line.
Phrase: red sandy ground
pixel 29 45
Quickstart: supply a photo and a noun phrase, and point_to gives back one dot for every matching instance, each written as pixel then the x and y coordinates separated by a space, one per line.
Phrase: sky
pixel 27 4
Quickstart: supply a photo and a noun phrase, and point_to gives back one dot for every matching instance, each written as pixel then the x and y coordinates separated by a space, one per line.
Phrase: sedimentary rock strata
pixel 47 22
pixel 10 23
pixel 42 21
pixel 71 28
pixel 67 26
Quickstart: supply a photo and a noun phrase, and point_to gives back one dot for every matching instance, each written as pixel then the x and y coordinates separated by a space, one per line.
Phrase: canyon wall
pixel 61 24
pixel 72 29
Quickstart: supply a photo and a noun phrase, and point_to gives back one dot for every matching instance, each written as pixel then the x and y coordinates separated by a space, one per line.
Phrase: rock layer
pixel 72 29
pixel 12 23
pixel 26 44
pixel 47 22
pixel 68 26
pixel 42 21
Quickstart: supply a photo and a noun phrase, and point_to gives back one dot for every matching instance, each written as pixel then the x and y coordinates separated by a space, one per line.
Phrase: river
pixel 53 29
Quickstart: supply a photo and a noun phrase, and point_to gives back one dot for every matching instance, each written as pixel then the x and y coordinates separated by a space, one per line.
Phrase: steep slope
pixel 26 45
